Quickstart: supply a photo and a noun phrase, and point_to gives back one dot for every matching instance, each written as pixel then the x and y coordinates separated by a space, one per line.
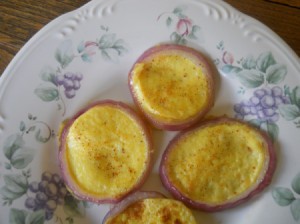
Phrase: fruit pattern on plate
pixel 59 82
pixel 263 78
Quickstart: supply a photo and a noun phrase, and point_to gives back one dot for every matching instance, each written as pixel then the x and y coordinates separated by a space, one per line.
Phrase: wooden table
pixel 21 19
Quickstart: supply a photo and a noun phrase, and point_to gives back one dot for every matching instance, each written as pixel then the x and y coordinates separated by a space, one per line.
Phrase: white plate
pixel 100 41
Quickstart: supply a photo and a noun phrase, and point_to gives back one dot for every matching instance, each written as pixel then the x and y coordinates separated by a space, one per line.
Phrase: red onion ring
pixel 261 184
pixel 71 185
pixel 189 53
pixel 137 196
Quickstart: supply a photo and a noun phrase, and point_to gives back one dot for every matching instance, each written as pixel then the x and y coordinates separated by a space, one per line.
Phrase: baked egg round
pixel 149 207
pixel 105 152
pixel 218 165
pixel 172 85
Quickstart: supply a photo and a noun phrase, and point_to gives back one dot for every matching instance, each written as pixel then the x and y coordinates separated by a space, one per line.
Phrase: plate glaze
pixel 85 55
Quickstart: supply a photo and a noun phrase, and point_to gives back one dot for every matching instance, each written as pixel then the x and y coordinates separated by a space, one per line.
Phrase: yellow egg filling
pixel 155 210
pixel 217 163
pixel 106 151
pixel 171 87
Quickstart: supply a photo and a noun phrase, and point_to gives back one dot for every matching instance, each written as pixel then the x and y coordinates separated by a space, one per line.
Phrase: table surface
pixel 21 19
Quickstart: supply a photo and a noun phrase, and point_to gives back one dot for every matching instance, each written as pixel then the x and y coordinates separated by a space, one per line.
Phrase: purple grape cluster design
pixel 61 83
pixel 42 198
pixel 266 98
pixel 264 104
pixel 70 82
pixel 45 197
pixel 47 194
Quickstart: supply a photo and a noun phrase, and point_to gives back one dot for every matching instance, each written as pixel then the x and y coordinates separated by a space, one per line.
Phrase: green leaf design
pixel 48 75
pixel 195 33
pixel 220 45
pixel 104 28
pixel 108 54
pixel 230 69
pixel 276 73
pixel 37 217
pixel 22 158
pixel 80 47
pixel 47 94
pixel 22 126
pixel 255 122
pixel 31 117
pixel 289 93
pixel 283 196
pixel 250 78
pixel 74 207
pixel 15 187
pixel 16 183
pixel 12 144
pixel 179 11
pixel 182 41
pixel 120 46
pixel 7 166
pixel 169 21
pixel 175 37
pixel 32 128
pixel 86 58
pixel 27 173
pixel 271 128
pixel 296 183
pixel 17 216
pixel 8 195
pixel 64 53
pixel 249 63
pixel 296 96
pixel 40 138
pixel 264 61
pixel 289 112
pixel 107 40
pixel 295 209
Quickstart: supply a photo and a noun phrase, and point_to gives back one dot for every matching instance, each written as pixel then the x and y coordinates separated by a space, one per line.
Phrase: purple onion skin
pixel 129 200
pixel 266 180
pixel 71 186
pixel 188 52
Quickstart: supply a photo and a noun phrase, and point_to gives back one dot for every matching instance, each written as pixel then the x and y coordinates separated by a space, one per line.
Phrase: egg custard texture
pixel 172 85
pixel 218 165
pixel 106 152
pixel 154 210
